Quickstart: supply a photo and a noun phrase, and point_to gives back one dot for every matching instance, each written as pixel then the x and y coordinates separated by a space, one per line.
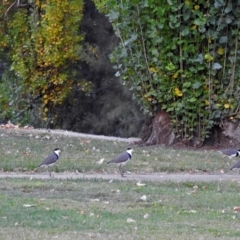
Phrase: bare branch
pixel 5 14
pixel 17 4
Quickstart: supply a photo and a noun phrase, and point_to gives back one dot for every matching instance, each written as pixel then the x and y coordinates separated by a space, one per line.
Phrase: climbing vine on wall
pixel 181 57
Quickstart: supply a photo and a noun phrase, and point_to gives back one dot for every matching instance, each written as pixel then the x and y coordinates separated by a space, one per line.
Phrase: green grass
pixel 97 209
pixel 24 151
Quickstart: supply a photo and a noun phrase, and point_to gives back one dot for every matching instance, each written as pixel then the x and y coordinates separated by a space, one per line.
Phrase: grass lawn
pixel 98 209
pixel 81 209
pixel 21 151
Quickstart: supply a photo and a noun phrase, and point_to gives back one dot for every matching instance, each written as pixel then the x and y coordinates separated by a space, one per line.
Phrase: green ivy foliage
pixel 181 57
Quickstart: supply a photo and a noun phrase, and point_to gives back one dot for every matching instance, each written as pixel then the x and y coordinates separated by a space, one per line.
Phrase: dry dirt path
pixel 160 177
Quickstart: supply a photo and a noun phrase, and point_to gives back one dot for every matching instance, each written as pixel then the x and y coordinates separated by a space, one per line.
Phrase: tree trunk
pixel 158 130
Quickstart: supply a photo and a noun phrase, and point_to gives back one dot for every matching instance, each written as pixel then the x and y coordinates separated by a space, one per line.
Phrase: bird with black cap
pixel 122 159
pixel 51 160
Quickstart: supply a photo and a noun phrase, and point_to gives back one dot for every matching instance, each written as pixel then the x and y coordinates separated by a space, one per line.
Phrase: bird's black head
pixel 129 148
pixel 56 149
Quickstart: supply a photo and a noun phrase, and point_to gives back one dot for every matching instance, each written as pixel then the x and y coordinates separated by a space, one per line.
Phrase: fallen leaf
pixel 115 190
pixel 82 212
pixel 143 198
pixel 146 216
pixel 95 200
pixel 140 184
pixel 100 161
pixel 236 209
pixel 130 220
pixel 191 211
pixel 92 235
pixel 47 137
pixel 28 205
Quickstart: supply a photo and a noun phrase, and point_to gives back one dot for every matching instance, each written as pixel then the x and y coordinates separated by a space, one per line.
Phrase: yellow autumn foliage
pixel 54 42
pixel 152 69
pixel 194 27
pixel 227 105
pixel 177 92
pixel 220 51
pixel 175 75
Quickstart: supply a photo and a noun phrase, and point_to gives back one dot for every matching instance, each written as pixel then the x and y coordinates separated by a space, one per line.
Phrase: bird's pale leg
pixel 49 171
pixel 121 170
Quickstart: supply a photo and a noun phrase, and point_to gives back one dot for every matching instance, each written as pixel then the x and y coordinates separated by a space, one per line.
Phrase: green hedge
pixel 181 57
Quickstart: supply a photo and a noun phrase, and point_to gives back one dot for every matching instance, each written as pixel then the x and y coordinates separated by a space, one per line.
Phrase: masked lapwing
pixel 229 152
pixel 236 165
pixel 50 160
pixel 122 159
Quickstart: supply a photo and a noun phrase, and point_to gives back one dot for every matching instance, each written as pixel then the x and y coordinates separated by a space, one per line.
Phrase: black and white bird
pixel 50 160
pixel 229 152
pixel 236 165
pixel 122 159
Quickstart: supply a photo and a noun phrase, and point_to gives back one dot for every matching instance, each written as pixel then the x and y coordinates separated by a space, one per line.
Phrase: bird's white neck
pixel 129 151
pixel 57 152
